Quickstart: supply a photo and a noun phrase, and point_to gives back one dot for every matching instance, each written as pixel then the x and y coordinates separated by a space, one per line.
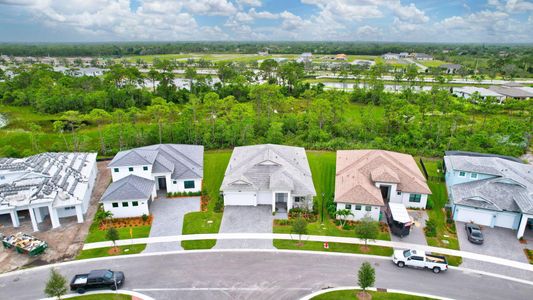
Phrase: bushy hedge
pixel 184 194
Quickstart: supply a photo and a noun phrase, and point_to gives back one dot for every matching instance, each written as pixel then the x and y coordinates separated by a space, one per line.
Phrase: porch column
pixel 38 215
pixel 522 226
pixel 14 218
pixel 79 213
pixel 289 201
pixel 34 224
pixel 273 201
pixel 53 217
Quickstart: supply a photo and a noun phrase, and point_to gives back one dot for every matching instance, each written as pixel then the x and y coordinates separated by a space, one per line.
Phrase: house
pixel 262 53
pixel 403 55
pixel 390 56
pixel 305 57
pixel 58 185
pixel 341 56
pixel 511 92
pixel 170 168
pixel 450 68
pixel 490 190
pixel 363 62
pixel 468 92
pixel 366 180
pixel 273 175
pixel 421 56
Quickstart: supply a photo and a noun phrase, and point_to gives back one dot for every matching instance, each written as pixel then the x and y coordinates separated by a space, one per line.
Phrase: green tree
pixel 159 111
pixel 367 229
pixel 275 133
pixel 343 214
pixel 59 127
pixel 102 215
pixel 112 235
pixel 56 286
pixel 299 227
pixel 100 117
pixel 366 276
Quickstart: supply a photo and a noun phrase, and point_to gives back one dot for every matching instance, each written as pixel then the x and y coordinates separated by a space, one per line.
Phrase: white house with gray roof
pixel 167 168
pixel 490 190
pixel 57 185
pixel 274 175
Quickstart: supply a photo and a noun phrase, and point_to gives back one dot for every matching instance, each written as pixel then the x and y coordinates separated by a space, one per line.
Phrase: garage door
pixel 467 215
pixel 246 199
pixel 506 220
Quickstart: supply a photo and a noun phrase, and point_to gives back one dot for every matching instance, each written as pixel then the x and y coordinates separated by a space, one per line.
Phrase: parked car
pixel 419 259
pixel 97 279
pixel 473 232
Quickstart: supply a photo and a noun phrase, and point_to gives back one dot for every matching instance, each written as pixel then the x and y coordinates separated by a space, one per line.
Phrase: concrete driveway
pixel 416 235
pixel 168 220
pixel 500 242
pixel 246 219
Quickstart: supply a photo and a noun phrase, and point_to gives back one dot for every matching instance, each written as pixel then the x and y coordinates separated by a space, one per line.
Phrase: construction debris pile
pixel 24 243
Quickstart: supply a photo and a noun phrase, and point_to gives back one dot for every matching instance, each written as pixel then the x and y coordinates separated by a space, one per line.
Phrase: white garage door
pixel 477 216
pixel 245 198
pixel 506 220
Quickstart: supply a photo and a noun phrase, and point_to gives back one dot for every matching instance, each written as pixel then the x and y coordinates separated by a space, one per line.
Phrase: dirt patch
pixel 363 296
pixel 64 242
pixel 114 251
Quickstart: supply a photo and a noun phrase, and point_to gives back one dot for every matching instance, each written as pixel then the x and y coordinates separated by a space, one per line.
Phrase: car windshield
pixel 407 253
pixel 108 275
pixel 476 234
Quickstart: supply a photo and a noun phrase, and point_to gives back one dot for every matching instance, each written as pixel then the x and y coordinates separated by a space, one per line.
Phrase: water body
pixel 387 87
pixel 3 120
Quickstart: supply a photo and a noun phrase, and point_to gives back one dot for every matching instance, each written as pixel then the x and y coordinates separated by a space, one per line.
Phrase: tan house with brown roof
pixel 368 179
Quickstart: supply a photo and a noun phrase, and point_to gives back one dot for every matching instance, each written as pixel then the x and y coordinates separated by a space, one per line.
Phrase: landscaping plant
pixel 112 235
pixel 299 227
pixel 56 286
pixel 367 229
pixel 366 278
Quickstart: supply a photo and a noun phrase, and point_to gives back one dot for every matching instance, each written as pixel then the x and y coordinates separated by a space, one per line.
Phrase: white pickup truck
pixel 419 259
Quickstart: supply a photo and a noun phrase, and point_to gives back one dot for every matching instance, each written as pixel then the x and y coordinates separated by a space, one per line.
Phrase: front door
pixel 162 181
pixel 281 201
pixel 385 189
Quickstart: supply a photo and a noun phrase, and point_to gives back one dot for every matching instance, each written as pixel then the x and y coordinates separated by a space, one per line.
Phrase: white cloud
pixel 410 14
pixel 255 3
pixel 368 32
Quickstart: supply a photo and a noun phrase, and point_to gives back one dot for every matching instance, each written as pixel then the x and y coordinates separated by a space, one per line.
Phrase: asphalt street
pixel 263 275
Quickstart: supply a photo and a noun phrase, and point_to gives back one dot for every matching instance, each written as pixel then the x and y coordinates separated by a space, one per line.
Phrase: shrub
pixel 431 228
pixel 219 204
pixel 429 204
pixel 144 217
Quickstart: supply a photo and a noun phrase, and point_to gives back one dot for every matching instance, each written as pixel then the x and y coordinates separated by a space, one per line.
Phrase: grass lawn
pixel 351 294
pixel 432 63
pixel 329 229
pixel 197 222
pixel 333 247
pixel 102 252
pixel 322 164
pixel 529 254
pixel 103 297
pixel 97 235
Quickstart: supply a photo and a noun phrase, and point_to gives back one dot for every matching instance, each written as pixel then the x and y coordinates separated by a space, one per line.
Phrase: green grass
pixel 97 235
pixel 322 164
pixel 333 247
pixel 103 252
pixel 103 297
pixel 529 255
pixel 351 294
pixel 431 63
pixel 328 229
pixel 197 222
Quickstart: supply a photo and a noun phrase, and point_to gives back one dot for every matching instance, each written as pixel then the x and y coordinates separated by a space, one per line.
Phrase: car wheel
pixel 401 264
pixel 113 287
pixel 80 291
pixel 436 270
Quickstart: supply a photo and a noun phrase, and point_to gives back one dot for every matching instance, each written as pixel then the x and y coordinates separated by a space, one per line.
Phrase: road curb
pixel 343 288
pixel 124 292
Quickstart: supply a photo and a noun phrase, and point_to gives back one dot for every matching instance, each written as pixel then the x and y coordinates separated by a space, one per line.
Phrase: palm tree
pixel 344 214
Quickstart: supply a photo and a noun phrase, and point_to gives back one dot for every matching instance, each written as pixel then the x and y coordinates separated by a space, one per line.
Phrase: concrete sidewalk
pixel 315 238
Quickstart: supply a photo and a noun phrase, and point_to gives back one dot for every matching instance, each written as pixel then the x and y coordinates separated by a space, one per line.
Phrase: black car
pixel 97 279
pixel 474 233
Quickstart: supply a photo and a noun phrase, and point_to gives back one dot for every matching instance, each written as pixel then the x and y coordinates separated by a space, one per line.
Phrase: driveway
pixel 246 219
pixel 500 242
pixel 168 220
pixel 416 235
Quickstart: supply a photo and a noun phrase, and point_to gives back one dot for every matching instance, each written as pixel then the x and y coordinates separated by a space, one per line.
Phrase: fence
pixel 433 178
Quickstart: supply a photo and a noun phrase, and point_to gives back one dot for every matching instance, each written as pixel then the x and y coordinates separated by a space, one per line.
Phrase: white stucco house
pixel 58 185
pixel 274 175
pixel 366 180
pixel 170 168
pixel 490 190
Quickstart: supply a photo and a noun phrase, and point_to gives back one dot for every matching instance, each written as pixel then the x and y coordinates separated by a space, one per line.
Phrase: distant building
pixel 403 55
pixel 468 92
pixel 262 53
pixel 305 57
pixel 511 92
pixel 363 62
pixel 390 56
pixel 341 56
pixel 421 56
pixel 450 68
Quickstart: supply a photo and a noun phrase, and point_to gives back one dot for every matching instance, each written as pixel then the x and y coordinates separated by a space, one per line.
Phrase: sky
pixel 463 21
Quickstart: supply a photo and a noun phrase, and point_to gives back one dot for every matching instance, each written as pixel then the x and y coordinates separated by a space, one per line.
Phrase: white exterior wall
pixel 156 176
pixel 179 186
pixel 137 170
pixel 422 204
pixel 488 218
pixel 264 198
pixel 240 198
pixel 128 212
pixel 359 214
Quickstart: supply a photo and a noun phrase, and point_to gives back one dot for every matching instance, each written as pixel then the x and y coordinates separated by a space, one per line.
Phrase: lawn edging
pixel 119 292
pixel 344 288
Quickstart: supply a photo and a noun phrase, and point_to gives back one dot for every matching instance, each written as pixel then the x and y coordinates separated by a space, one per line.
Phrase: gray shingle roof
pixel 269 167
pixel 129 188
pixel 183 161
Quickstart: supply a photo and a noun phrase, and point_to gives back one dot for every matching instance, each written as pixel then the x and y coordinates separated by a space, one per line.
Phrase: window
pixel 473 175
pixel 125 204
pixel 462 174
pixel 174 182
pixel 368 208
pixel 135 203
pixel 299 199
pixel 348 206
pixel 145 168
pixel 115 204
pixel 398 193
pixel 116 170
pixel 70 207
pixel 357 207
pixel 419 258
pixel 189 184
pixel 415 198
pixel 130 169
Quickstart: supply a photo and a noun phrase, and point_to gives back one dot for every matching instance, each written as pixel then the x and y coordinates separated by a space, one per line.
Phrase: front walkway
pixel 168 220
pixel 246 219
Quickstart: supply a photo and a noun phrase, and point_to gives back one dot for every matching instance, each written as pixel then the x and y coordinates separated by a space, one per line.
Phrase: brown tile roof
pixel 358 170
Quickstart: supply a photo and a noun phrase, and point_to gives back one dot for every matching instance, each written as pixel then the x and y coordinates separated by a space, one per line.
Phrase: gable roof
pixel 131 187
pixel 358 170
pixel 269 167
pixel 182 161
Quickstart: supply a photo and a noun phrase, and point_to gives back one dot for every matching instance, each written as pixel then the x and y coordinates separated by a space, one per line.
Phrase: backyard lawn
pixel 333 247
pixel 101 252
pixel 215 163
pixel 351 294
pixel 322 164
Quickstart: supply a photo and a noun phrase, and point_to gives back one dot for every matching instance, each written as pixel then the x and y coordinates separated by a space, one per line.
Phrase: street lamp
pixel 322 209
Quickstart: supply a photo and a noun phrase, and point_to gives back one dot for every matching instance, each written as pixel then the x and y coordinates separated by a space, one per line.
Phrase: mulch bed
pixel 126 222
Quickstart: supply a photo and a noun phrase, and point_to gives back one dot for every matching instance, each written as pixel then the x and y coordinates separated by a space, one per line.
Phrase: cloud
pixel 368 31
pixel 255 3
